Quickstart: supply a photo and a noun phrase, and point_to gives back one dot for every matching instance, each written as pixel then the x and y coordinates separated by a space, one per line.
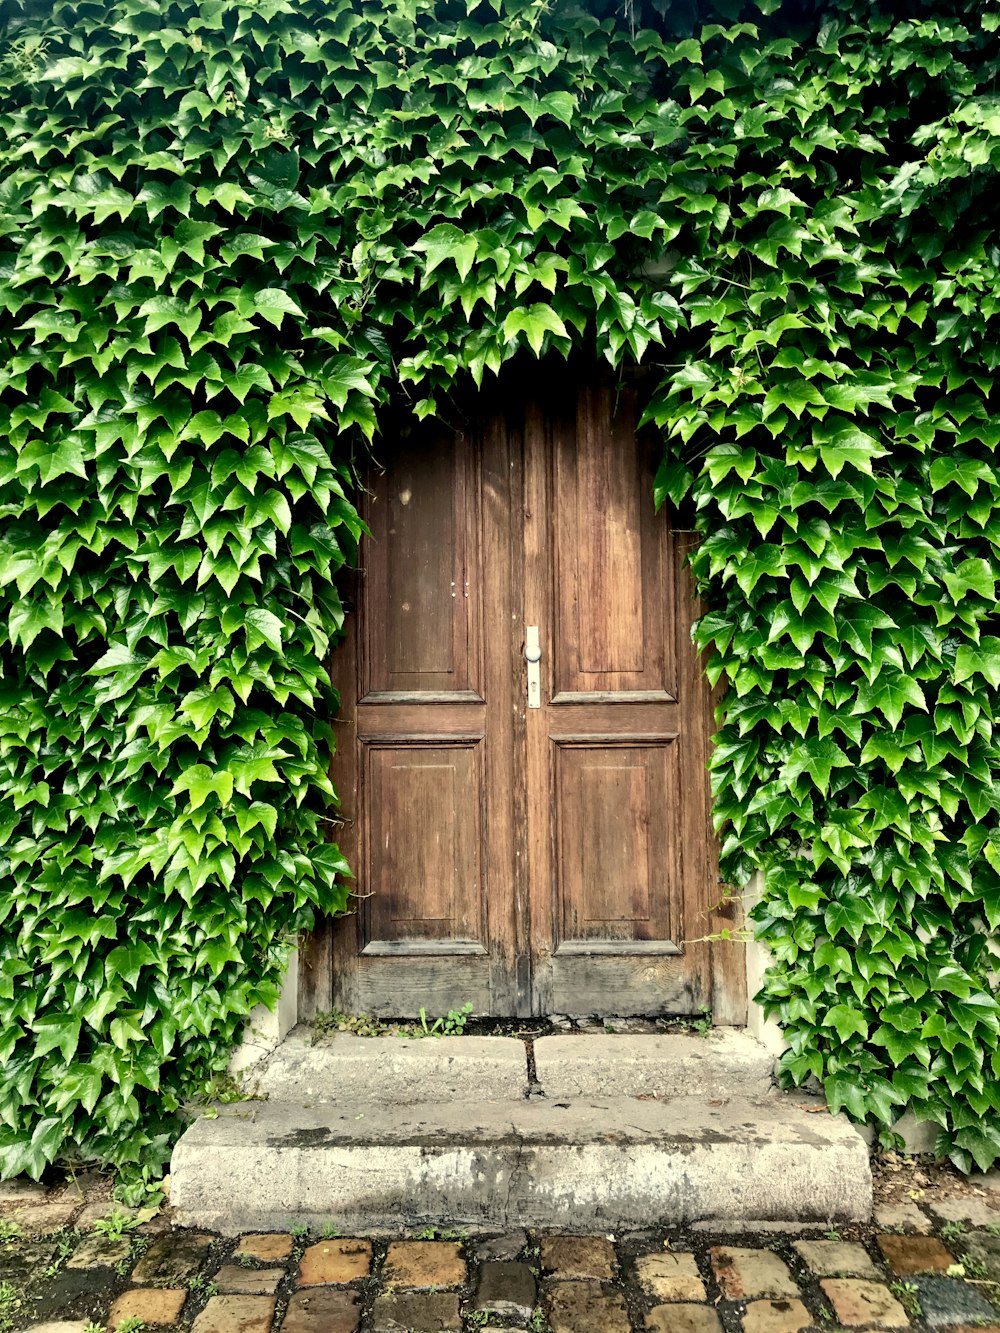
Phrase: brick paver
pixel 683 1319
pixel 902 1217
pixel 235 1280
pixel 236 1314
pixel 172 1259
pixel 906 1255
pixel 270 1247
pixel 97 1251
pixel 322 1310
pixel 743 1274
pixel 507 1289
pixel 670 1277
pixel 416 1312
pixel 857 1303
pixel 835 1258
pixel 776 1317
pixel 589 1284
pixel 330 1262
pixel 153 1305
pixel 578 1257
pixel 424 1263
pixel 583 1304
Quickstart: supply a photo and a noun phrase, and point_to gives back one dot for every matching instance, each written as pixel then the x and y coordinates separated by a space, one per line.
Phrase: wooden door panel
pixel 615 848
pixel 613 595
pixel 423 514
pixel 634 983
pixel 620 899
pixel 418 770
pixel 422 848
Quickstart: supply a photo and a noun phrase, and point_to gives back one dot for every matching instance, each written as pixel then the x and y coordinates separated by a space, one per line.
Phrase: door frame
pixel 520 989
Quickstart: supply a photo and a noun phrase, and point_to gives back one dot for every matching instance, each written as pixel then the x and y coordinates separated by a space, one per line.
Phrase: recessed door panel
pixel 423 841
pixel 613 595
pixel 424 518
pixel 616 875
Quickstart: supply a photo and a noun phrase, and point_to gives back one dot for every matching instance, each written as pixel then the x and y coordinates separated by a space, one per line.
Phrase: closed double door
pixel 523 732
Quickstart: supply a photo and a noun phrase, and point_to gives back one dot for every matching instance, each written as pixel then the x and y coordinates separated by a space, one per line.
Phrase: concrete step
pixel 608 1162
pixel 398 1071
pixel 725 1062
pixel 392 1071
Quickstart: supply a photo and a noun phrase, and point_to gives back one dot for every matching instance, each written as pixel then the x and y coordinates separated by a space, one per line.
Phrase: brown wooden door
pixel 532 860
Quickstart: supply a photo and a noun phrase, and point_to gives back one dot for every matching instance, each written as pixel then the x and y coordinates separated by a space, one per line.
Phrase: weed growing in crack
pixel 10 1302
pixel 116 1225
pixel 907 1295
pixel 66 1242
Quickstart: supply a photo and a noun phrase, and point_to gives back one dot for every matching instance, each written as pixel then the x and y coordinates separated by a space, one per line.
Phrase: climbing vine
pixel 233 231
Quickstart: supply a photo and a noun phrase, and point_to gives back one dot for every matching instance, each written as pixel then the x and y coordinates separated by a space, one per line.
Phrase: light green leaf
pixel 270 303
pixel 535 322
pixel 263 626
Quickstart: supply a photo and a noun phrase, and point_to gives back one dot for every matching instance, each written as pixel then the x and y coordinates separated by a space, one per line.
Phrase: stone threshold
pixel 615 1131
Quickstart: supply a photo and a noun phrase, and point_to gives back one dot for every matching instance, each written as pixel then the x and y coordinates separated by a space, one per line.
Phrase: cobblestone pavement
pixel 68 1266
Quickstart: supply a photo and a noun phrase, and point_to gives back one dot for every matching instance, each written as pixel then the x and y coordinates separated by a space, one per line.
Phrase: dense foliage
pixel 233 230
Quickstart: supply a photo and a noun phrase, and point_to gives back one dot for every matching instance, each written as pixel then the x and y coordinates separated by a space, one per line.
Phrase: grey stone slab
pixel 919 1136
pixel 393 1071
pixel 22 1191
pixel 72 1294
pixel 61 1326
pixel 172 1260
pixel 98 1210
pixel 97 1251
pixel 506 1247
pixel 507 1289
pixel 949 1300
pixel 973 1212
pixel 416 1312
pixel 903 1216
pixel 724 1063
pixel 983 1248
pixel 21 1262
pixel 605 1163
pixel 836 1258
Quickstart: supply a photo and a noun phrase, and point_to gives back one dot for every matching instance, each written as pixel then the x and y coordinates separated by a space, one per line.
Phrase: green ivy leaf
pixel 263 627
pixel 270 303
pixel 534 322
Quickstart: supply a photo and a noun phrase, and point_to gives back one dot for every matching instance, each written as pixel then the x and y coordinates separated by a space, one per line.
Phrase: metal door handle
pixel 533 655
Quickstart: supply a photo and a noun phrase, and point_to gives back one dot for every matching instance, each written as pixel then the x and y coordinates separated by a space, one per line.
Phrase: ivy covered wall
pixel 232 230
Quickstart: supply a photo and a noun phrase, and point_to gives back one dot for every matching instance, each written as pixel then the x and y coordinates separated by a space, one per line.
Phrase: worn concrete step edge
pixel 397 1071
pixel 725 1062
pixel 612 1163
pixel 393 1070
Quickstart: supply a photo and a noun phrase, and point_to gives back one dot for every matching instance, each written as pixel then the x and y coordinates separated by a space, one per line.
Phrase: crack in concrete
pixel 515 1172
pixel 534 1088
